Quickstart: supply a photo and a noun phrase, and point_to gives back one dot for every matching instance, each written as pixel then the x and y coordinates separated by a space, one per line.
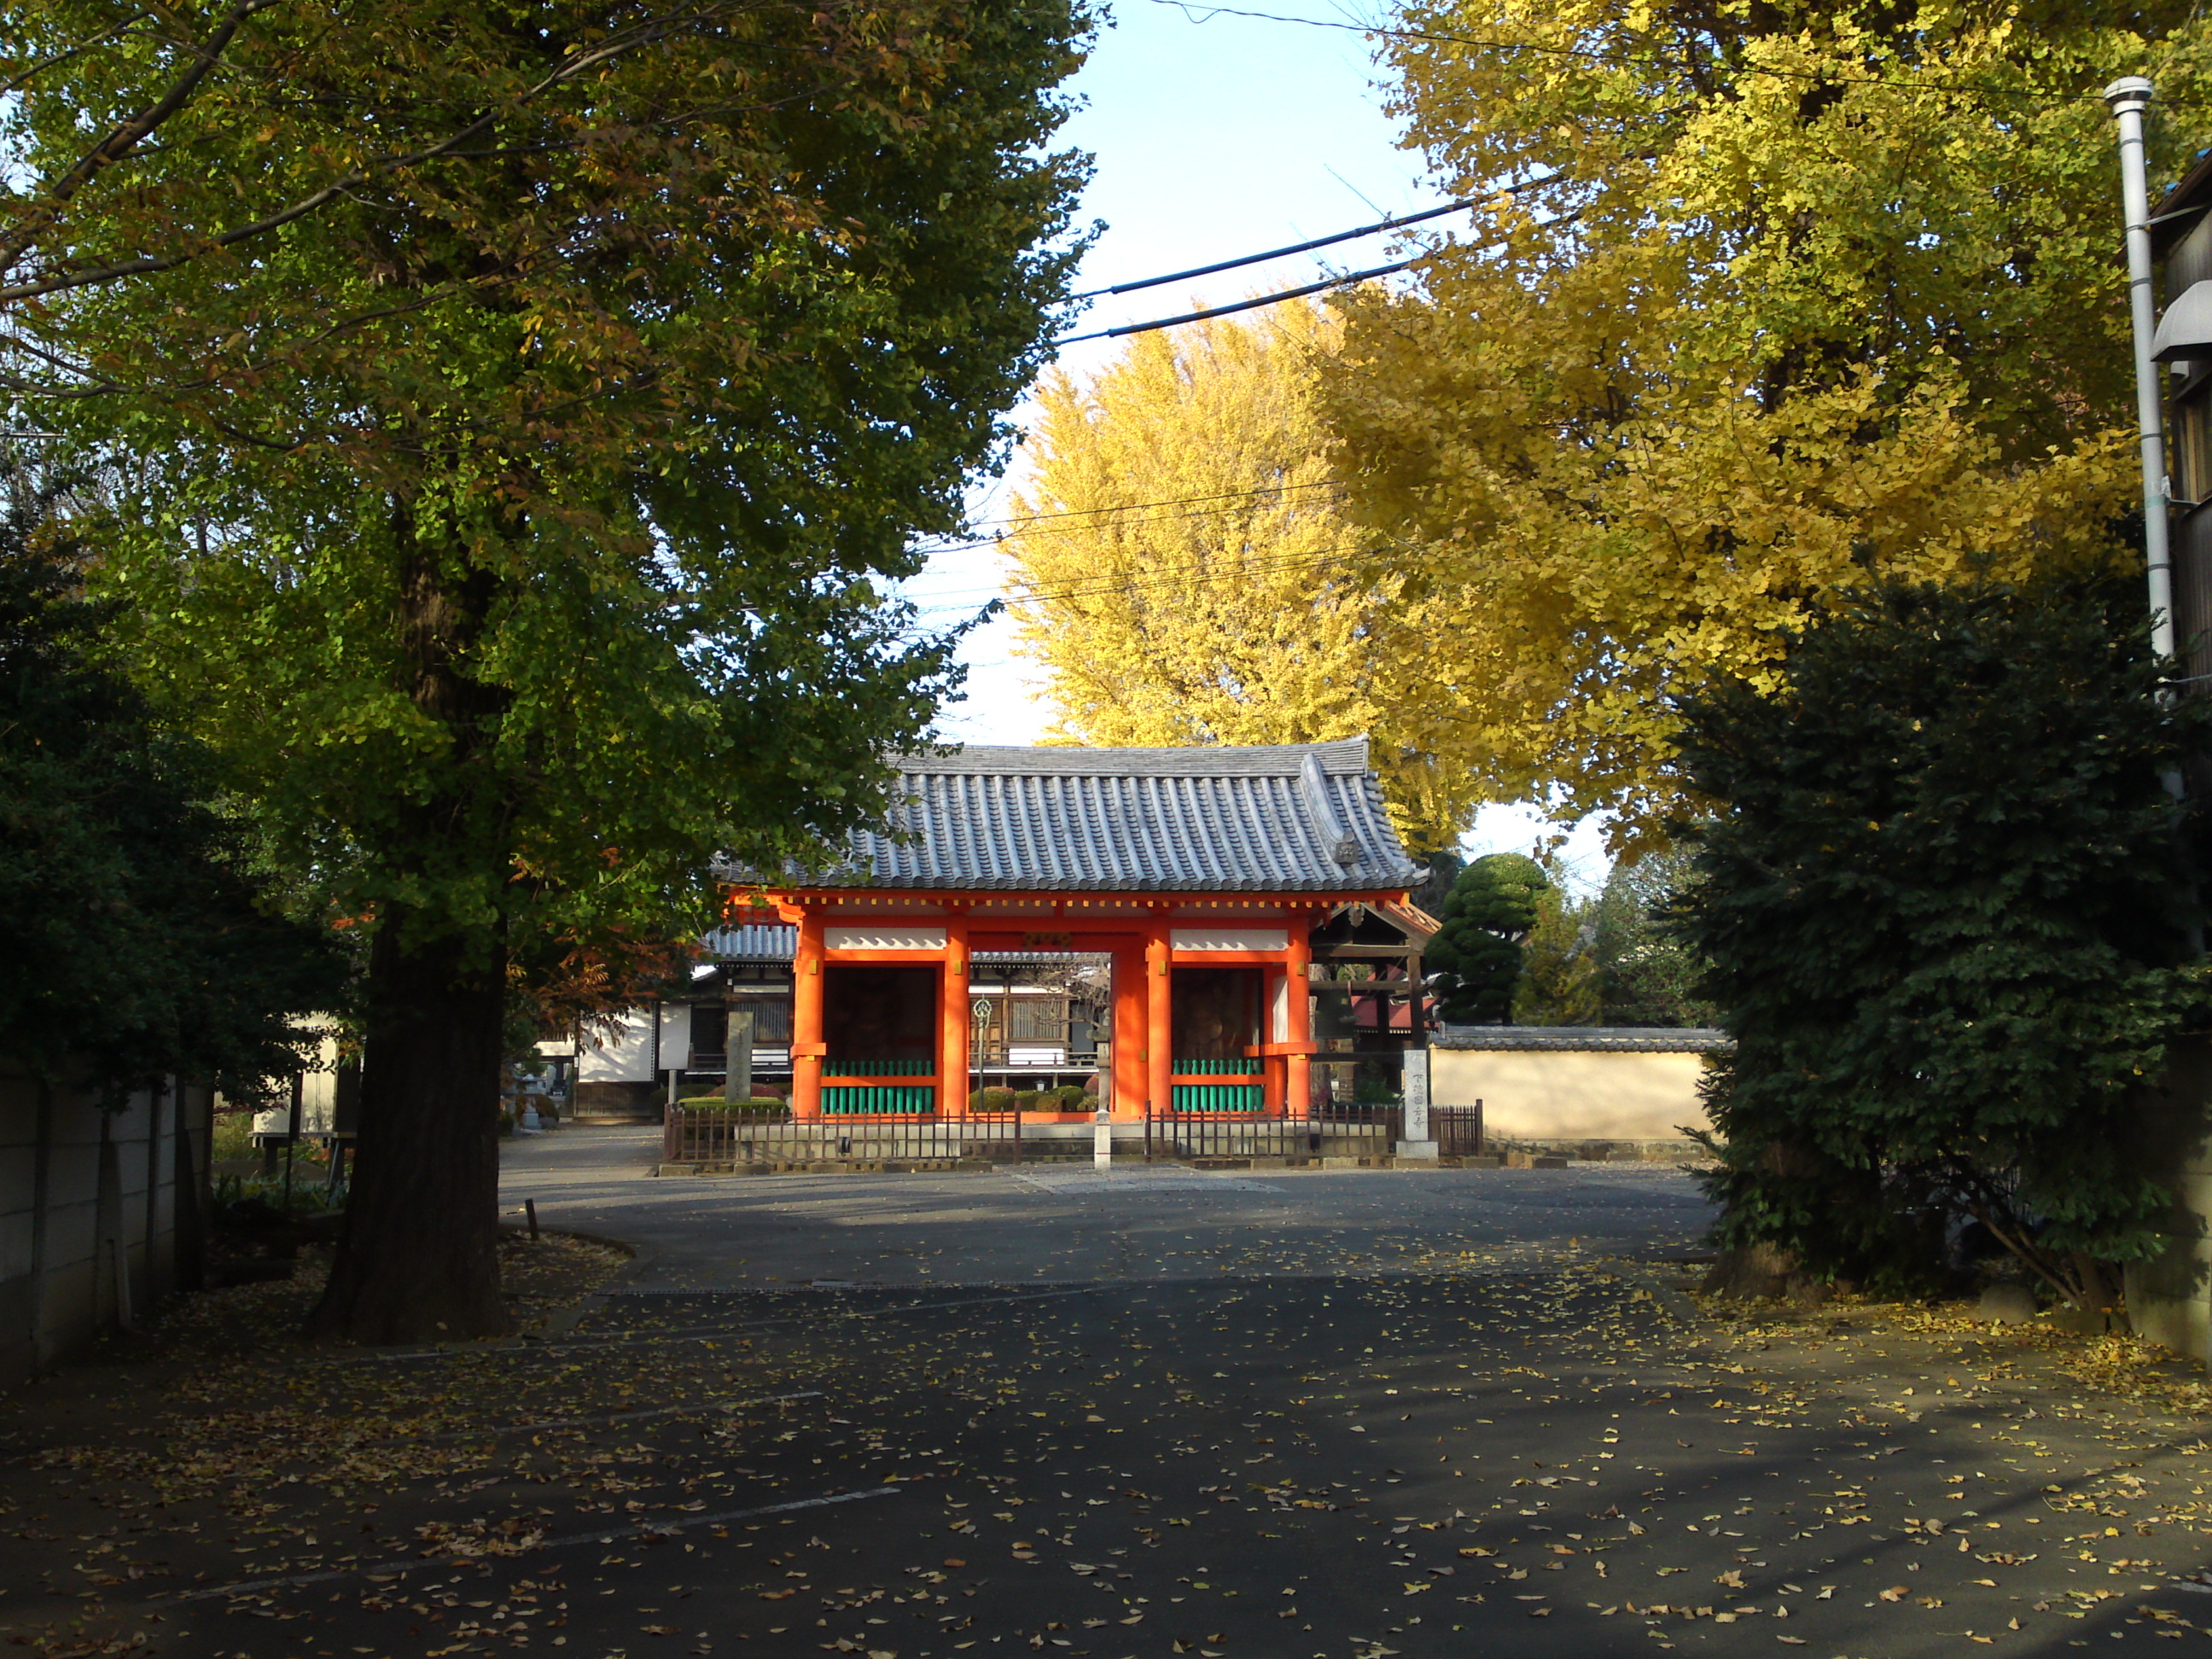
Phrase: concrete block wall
pixel 89 1213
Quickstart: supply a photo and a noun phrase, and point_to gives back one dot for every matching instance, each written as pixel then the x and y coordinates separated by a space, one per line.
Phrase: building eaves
pixel 2180 208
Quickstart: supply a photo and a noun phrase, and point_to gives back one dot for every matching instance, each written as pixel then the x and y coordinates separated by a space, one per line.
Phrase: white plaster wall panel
pixel 1571 1095
pixel 78 1297
pixel 880 936
pixel 618 1048
pixel 1229 938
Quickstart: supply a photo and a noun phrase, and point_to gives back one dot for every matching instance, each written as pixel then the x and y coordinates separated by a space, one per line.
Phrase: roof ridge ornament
pixel 1313 786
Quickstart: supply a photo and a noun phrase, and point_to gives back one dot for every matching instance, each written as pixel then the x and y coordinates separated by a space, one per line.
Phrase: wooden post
pixel 1275 1030
pixel 806 1049
pixel 1298 1065
pixel 1126 1076
pixel 1160 1023
pixel 954 1036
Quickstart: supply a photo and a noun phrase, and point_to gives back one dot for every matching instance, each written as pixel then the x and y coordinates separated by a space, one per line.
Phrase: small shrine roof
pixel 1280 818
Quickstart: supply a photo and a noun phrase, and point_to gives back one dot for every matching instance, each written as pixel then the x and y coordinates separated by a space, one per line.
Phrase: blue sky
pixel 1213 136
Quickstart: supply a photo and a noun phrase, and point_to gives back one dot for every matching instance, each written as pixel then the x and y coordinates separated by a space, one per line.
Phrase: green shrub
pixel 1073 1099
pixel 759 1108
pixel 1942 908
pixel 991 1100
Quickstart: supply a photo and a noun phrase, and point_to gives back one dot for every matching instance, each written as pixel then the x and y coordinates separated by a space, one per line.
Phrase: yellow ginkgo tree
pixel 1768 301
pixel 1183 568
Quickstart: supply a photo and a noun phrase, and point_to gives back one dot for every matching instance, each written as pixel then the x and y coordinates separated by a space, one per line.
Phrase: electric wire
pixel 1274 299
pixel 1174 501
pixel 1173 574
pixel 1627 60
pixel 1374 229
pixel 1235 502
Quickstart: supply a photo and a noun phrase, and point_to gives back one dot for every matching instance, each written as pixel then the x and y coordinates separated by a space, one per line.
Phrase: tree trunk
pixel 418 1260
pixel 1755 1273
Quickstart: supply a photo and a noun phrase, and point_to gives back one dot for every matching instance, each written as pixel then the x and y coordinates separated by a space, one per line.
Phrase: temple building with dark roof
pixel 1188 883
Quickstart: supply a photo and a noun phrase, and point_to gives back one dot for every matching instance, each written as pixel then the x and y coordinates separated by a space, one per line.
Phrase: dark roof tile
pixel 1290 817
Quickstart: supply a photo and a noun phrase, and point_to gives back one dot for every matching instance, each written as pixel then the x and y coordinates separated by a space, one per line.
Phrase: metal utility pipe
pixel 2127 97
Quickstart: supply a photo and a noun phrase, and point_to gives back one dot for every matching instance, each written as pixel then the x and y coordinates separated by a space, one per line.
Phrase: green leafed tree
pixel 1648 975
pixel 1474 962
pixel 1944 929
pixel 512 414
pixel 1562 981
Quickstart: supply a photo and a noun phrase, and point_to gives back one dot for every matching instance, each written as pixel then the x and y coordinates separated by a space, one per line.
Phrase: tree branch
pixel 643 35
pixel 127 136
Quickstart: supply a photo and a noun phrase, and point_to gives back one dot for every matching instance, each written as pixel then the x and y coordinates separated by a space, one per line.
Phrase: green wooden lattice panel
pixel 877 1100
pixel 1218 1097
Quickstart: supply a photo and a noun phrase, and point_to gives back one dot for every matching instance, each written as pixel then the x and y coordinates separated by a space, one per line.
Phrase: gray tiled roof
pixel 1587 1039
pixel 1292 817
pixel 753 941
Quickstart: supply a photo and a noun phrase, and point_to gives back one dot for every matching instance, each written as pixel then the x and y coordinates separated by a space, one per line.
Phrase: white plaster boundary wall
pixel 89 1214
pixel 1574 1083
pixel 621 1048
pixel 318 1097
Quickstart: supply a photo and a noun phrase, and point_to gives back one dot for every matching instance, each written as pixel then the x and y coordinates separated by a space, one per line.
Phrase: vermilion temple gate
pixel 1199 873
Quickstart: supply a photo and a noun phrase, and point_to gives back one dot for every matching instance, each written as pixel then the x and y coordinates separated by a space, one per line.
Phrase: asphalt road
pixel 1345 1416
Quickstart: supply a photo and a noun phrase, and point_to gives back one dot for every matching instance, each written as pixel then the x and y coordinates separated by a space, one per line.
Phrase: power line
pixel 1177 577
pixel 1177 500
pixel 1376 228
pixel 1242 305
pixel 1624 60
pixel 1111 526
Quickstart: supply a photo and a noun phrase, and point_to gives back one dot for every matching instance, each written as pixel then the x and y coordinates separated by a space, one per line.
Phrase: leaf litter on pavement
pixel 1537 1452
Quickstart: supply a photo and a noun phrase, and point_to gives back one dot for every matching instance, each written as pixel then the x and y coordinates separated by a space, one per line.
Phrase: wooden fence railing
pixel 693 1134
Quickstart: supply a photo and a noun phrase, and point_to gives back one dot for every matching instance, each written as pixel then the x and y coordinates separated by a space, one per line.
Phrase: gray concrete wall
pixel 89 1214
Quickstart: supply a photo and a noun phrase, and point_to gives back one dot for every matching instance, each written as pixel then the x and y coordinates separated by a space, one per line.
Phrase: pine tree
pixel 1475 961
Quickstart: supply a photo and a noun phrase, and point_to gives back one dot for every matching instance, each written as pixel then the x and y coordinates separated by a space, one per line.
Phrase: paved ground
pixel 1347 1416
pixel 1067 1222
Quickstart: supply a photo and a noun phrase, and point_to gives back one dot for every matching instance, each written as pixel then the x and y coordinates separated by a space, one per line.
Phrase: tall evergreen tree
pixel 138 939
pixel 1945 928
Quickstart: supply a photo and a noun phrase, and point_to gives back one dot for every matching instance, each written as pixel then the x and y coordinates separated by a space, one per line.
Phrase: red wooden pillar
pixel 1128 1087
pixel 953 1030
pixel 1297 1063
pixel 807 1045
pixel 1159 1024
pixel 1275 1026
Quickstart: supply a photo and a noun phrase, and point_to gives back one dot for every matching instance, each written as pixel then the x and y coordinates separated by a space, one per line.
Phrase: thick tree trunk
pixel 1755 1272
pixel 418 1260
